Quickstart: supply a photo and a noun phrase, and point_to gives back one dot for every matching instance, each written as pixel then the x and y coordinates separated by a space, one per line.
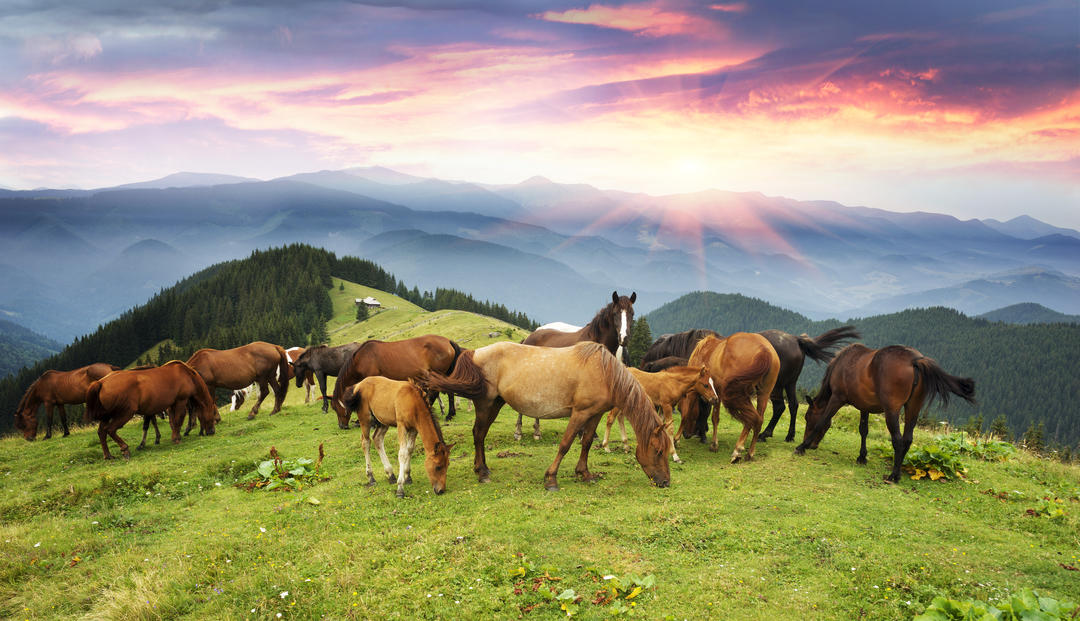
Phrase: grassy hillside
pixel 1026 373
pixel 167 534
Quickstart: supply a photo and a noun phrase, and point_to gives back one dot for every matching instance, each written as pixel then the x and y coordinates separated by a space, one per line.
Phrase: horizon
pixel 970 109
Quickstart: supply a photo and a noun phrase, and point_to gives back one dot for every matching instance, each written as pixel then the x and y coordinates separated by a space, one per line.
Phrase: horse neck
pixel 424 422
pixel 631 398
pixel 684 378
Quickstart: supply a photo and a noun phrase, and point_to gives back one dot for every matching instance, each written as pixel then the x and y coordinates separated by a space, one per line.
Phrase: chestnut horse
pixel 305 380
pixel 880 380
pixel 56 389
pixel 741 365
pixel 580 382
pixel 259 362
pixel 174 386
pixel 402 405
pixel 396 360
pixel 610 327
pixel 665 388
pixel 793 351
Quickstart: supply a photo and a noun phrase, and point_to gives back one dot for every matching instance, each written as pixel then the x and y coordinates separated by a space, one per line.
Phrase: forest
pixel 1025 373
pixel 20 347
pixel 278 295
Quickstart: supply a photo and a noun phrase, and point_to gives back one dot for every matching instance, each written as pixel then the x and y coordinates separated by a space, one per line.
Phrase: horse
pixel 306 381
pixel 665 388
pixel 259 362
pixel 174 386
pixel 679 345
pixel 793 350
pixel 741 365
pixel 666 362
pixel 610 327
pixel 56 389
pixel 399 404
pixel 580 382
pixel 396 360
pixel 323 361
pixel 880 381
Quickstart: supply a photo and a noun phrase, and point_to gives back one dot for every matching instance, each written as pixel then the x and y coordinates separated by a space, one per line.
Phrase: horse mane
pixel 705 347
pixel 596 325
pixel 627 393
pixel 31 393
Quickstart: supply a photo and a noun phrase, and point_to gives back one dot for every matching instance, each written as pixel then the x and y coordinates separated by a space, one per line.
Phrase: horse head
pixel 436 464
pixel 704 386
pixel 652 454
pixel 621 316
pixel 26 422
pixel 302 366
pixel 814 413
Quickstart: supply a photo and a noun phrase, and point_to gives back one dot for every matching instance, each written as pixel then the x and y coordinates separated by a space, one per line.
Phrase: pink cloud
pixel 644 19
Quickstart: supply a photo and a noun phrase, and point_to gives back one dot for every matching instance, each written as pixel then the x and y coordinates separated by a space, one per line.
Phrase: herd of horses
pixel 559 371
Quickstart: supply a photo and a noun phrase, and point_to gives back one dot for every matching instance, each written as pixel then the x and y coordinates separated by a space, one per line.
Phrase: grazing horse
pixel 323 361
pixel 610 327
pixel 580 382
pixel 176 387
pixel 880 380
pixel 259 362
pixel 793 350
pixel 665 388
pixel 402 405
pixel 307 381
pixel 741 365
pixel 679 345
pixel 396 360
pixel 56 389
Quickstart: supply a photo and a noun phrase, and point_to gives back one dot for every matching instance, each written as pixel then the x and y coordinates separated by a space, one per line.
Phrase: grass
pixel 166 534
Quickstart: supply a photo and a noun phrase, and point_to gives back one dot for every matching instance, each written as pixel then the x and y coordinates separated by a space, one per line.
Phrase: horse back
pixel 552 338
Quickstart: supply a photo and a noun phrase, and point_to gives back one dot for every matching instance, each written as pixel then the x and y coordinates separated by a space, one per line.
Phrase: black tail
pixel 940 384
pixel 821 348
pixel 457 354
pixel 467 379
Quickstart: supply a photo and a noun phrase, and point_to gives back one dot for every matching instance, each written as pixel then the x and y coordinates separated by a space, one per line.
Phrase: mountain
pixel 1029 313
pixel 1026 227
pixel 20 347
pixel 184 180
pixel 1025 372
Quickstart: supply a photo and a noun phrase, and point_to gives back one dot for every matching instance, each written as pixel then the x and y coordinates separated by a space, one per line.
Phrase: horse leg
pixel 365 443
pixel 485 415
pixel 892 421
pixel 777 412
pixel 380 435
pixel 281 388
pixel 736 455
pixel 587 437
pixel 757 417
pixel 715 445
pixel 793 401
pixel 452 410
pixel 612 415
pixel 669 424
pixel 319 375
pixel 622 432
pixel 702 422
pixel 864 428
pixel 264 389
pixel 176 413
pixel 114 425
pixel 307 394
pixel 550 481
pixel 408 462
pixel 48 420
pixel 103 437
pixel 404 456
pixel 517 427
pixel 145 430
pixel 536 429
pixel 63 419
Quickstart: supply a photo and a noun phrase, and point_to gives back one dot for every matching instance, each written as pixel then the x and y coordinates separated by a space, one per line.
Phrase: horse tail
pixel 453 361
pixel 467 379
pixel 95 411
pixel 742 385
pixel 353 402
pixel 821 347
pixel 283 367
pixel 940 384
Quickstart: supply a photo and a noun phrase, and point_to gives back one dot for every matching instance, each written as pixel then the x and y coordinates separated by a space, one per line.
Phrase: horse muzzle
pixel 438 491
pixel 662 482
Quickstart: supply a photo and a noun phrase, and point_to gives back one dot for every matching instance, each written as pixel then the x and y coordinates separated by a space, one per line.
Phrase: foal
pixel 664 389
pixel 402 405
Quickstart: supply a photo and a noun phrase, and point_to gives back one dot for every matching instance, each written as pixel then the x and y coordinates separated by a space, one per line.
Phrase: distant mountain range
pixel 1028 313
pixel 556 251
pixel 20 347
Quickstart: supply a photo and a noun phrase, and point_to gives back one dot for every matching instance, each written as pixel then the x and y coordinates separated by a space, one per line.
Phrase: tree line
pixel 1025 374
pixel 280 295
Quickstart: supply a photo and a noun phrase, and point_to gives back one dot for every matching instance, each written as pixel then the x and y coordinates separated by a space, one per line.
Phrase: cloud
pixel 649 20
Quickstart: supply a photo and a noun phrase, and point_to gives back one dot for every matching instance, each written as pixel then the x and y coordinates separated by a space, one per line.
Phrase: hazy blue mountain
pixel 184 180
pixel 1026 227
pixel 1027 313
pixel 20 347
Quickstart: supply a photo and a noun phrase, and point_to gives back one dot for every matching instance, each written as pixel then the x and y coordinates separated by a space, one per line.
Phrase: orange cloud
pixel 642 19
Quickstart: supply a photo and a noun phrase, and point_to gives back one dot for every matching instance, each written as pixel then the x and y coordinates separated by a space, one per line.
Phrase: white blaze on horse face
pixel 623 330
pixel 713 386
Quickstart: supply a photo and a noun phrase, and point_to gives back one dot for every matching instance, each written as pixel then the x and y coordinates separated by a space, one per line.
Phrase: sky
pixel 970 108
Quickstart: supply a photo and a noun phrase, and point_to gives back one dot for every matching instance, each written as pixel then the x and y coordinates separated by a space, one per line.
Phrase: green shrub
pixel 1023 606
pixel 276 473
pixel 986 449
pixel 934 460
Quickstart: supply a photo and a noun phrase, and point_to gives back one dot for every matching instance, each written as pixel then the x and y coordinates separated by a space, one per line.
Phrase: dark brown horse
pixel 880 380
pixel 174 387
pixel 56 389
pixel 259 362
pixel 323 361
pixel 580 382
pixel 655 366
pixel 610 327
pixel 741 365
pixel 659 356
pixel 397 360
pixel 793 351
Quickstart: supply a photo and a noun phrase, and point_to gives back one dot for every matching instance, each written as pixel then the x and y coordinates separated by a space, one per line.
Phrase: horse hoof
pixel 47 437
pixel 800 450
pixel 140 447
pixel 127 454
pixel 67 433
pixel 484 479
pixel 392 479
pixel 890 480
pixel 790 438
pixel 109 457
pixel 408 479
pixel 251 417
pixel 861 461
pixel 400 493
pixel 675 458
pixel 517 437
pixel 554 487
pixel 714 447
pixel 735 458
pixel 370 482
pixel 537 437
pixel 606 448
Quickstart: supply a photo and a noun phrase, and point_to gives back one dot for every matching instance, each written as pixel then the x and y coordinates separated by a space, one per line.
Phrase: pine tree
pixel 640 340
pixel 362 312
pixel 1033 438
pixel 1000 427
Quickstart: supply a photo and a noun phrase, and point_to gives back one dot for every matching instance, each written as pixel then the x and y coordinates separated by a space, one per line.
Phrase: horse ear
pixel 633 297
pixel 704 371
pixel 615 296
pixel 450 446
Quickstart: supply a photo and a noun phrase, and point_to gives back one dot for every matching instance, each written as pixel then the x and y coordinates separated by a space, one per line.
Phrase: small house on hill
pixel 369 302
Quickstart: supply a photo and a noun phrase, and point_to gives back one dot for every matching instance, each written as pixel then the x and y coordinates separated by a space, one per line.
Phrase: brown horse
pixel 581 382
pixel 305 380
pixel 259 362
pixel 665 388
pixel 742 365
pixel 402 405
pixel 174 387
pixel 56 389
pixel 880 380
pixel 396 360
pixel 610 327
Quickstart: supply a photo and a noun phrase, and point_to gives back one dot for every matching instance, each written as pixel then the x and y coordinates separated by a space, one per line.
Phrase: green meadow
pixel 171 533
